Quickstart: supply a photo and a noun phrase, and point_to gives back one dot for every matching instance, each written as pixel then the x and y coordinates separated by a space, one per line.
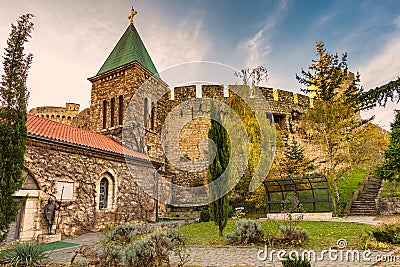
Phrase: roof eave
pixel 92 149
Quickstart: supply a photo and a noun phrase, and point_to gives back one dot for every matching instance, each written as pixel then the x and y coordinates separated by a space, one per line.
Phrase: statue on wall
pixel 49 213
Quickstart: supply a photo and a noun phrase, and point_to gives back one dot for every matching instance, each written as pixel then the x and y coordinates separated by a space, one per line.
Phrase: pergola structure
pixel 312 192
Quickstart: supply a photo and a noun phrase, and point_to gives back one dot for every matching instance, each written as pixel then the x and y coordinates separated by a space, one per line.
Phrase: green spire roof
pixel 129 48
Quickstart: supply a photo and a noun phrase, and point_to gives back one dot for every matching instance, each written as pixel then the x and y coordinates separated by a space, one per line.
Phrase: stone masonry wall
pixel 285 106
pixel 60 114
pixel 50 163
pixel 188 136
pixel 388 205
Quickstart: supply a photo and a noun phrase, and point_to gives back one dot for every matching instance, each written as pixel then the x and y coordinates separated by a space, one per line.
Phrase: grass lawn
pixel 391 189
pixel 57 245
pixel 349 183
pixel 322 234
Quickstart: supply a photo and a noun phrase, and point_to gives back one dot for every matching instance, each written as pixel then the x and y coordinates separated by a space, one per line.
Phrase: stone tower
pixel 127 67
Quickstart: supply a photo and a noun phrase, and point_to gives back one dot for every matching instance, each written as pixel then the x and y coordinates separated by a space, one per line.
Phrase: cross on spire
pixel 131 15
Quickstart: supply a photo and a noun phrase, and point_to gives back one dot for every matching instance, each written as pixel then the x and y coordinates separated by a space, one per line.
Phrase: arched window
pixel 120 109
pixel 146 112
pixel 104 114
pixel 112 112
pixel 103 196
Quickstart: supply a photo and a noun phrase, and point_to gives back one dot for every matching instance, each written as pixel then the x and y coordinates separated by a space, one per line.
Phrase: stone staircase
pixel 364 203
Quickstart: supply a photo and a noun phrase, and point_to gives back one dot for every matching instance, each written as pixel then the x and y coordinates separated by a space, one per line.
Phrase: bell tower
pixel 126 68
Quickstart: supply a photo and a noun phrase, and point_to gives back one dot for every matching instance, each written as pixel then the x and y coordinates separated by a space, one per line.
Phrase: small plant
pixel 367 241
pixel 389 233
pixel 297 262
pixel 179 246
pixel 23 254
pixel 154 250
pixel 293 235
pixel 139 253
pixel 247 231
pixel 124 233
pixel 204 215
pixel 232 238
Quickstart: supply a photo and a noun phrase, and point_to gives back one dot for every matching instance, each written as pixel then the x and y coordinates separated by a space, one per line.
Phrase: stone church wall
pixel 52 163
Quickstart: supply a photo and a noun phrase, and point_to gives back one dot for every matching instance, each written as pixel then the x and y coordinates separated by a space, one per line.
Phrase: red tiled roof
pixel 61 132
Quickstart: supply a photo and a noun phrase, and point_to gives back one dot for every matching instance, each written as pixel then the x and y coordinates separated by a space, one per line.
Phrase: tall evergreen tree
pixel 390 168
pixel 334 120
pixel 381 95
pixel 219 207
pixel 13 132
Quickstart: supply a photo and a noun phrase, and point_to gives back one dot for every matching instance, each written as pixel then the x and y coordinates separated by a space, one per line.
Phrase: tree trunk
pixel 220 231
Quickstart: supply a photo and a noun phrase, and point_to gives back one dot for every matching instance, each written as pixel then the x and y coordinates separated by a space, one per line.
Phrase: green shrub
pixel 106 254
pixel 24 254
pixel 139 253
pixel 293 235
pixel 247 231
pixel 179 245
pixel 389 233
pixel 204 215
pixel 231 238
pixel 298 262
pixel 124 233
pixel 152 251
pixel 391 189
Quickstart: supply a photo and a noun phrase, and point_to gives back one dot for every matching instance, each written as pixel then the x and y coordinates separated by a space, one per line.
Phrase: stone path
pixel 238 256
pixel 63 256
pixel 248 256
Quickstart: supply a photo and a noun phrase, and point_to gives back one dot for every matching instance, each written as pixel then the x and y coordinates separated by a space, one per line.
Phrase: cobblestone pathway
pixel 229 256
pixel 234 256
pixel 245 256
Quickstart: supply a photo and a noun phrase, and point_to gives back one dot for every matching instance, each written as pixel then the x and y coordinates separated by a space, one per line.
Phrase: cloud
pixel 256 48
pixel 171 44
pixel 324 19
pixel 383 67
pixel 70 42
pixel 396 22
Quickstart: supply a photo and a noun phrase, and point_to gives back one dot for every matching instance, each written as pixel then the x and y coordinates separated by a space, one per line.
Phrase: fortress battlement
pixel 279 101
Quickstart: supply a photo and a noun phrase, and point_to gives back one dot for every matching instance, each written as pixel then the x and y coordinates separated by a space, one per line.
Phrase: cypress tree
pixel 13 132
pixel 219 207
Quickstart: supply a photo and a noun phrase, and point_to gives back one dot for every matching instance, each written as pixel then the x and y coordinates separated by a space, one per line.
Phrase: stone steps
pixel 365 204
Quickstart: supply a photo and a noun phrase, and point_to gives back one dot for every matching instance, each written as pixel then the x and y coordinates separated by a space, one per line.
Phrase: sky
pixel 73 38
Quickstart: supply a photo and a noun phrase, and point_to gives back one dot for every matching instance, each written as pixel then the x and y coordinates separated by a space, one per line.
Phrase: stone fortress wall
pixel 286 108
pixel 108 90
pixel 64 115
pixel 112 93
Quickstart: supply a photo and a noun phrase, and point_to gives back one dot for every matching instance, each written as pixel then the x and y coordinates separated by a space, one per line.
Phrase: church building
pixel 78 159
